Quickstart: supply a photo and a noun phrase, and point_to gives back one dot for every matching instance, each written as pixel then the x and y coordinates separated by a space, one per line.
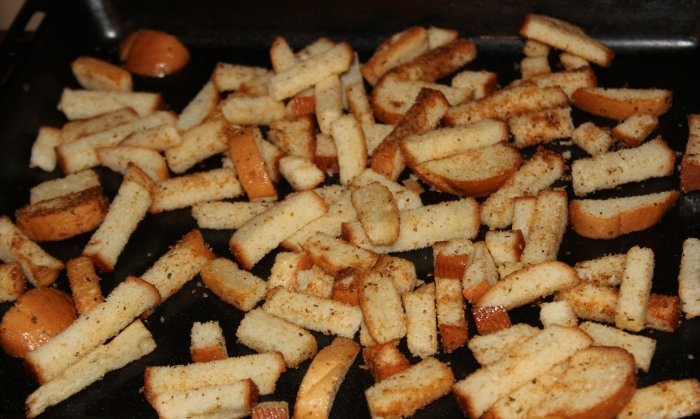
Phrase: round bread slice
pixel 621 103
pixel 477 172
pixel 64 216
pixel 610 218
pixel 597 383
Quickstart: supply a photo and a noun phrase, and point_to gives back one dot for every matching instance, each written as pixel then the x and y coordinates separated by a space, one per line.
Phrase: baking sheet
pixel 656 46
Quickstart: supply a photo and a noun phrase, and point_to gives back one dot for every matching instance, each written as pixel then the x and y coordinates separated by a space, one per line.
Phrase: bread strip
pixel 123 216
pixel 641 347
pixel 410 390
pixel 84 283
pixel 202 105
pixel 613 217
pixel 605 270
pixel 73 182
pixel 506 103
pixel 480 390
pixel 118 158
pixel 251 109
pixel 598 303
pixel 187 190
pixel 529 284
pixel 268 229
pixel 264 332
pixel 421 317
pixel 668 399
pixel 308 72
pixel 333 254
pixel 207 342
pixel 228 76
pixel 199 143
pixel 377 211
pixel 179 264
pixel 394 51
pixel 318 314
pixel 541 171
pixel 43 153
pixel 235 399
pixel 449 303
pixel 635 289
pixel 424 226
pixel 689 278
pixel 264 369
pixel 236 286
pixel 350 146
pixel 690 164
pixel 127 301
pixel 567 37
pixel 329 102
pixel 72 130
pixel 225 215
pixel 134 342
pixel 80 104
pixel 40 268
pixel 323 378
pixel 489 348
pixel 547 227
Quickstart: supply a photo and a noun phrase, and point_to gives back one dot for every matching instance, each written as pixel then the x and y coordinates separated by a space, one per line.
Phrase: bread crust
pixel 63 217
pixel 621 103
pixel 588 222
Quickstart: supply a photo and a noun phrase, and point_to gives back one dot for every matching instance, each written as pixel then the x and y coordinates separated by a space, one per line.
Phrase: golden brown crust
pixel 451 265
pixel 63 217
pixel 489 319
pixel 84 283
pixel 596 226
pixel 452 337
pixel 250 166
pixel 384 360
pixel 270 410
pixel 690 176
pixel 36 317
pixel 621 103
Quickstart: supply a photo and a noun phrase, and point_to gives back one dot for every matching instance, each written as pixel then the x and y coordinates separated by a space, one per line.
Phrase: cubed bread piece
pixel 207 342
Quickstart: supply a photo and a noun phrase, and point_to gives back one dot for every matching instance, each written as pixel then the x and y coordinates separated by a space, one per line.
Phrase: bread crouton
pixel 635 289
pixel 79 104
pixel 591 138
pixel 635 129
pixel 207 342
pixel 689 278
pixel 690 163
pixel 84 283
pixel 377 211
pixel 491 347
pixel 604 270
pixel 236 286
pixel 623 102
pixel 667 399
pixel 641 347
pixel 382 308
pixel 557 312
pixel 421 319
pixel 384 360
pixel 547 227
pixel 95 74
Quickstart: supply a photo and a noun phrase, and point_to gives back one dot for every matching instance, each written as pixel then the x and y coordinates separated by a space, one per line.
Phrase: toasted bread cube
pixel 689 278
pixel 534 66
pixel 523 210
pixel 302 174
pixel 605 270
pixel 333 254
pixel 405 198
pixel 313 313
pixel 384 360
pixel 489 348
pixel 378 213
pixel 345 287
pixel 43 149
pixel 451 258
pixel 12 283
pixel 264 332
pixel 592 139
pixel 635 129
pixel 635 289
pixel 230 400
pixel 179 264
pixel 207 342
pixel 326 156
pixel 541 127
pixel 224 215
pixel 480 274
pixel 295 136
pixel 482 83
pixel 198 143
pixel 382 308
pixel 242 109
pixel 118 159
pixel 490 319
pixel 421 318
pixel 96 74
pixel 504 245
pixel 84 283
pixel 557 312
pixel 665 399
pixel 270 410
pixel 236 286
pixel 285 269
pixel 230 76
pixel 408 391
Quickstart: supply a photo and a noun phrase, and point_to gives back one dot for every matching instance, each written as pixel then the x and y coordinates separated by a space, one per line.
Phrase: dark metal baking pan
pixel 656 45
